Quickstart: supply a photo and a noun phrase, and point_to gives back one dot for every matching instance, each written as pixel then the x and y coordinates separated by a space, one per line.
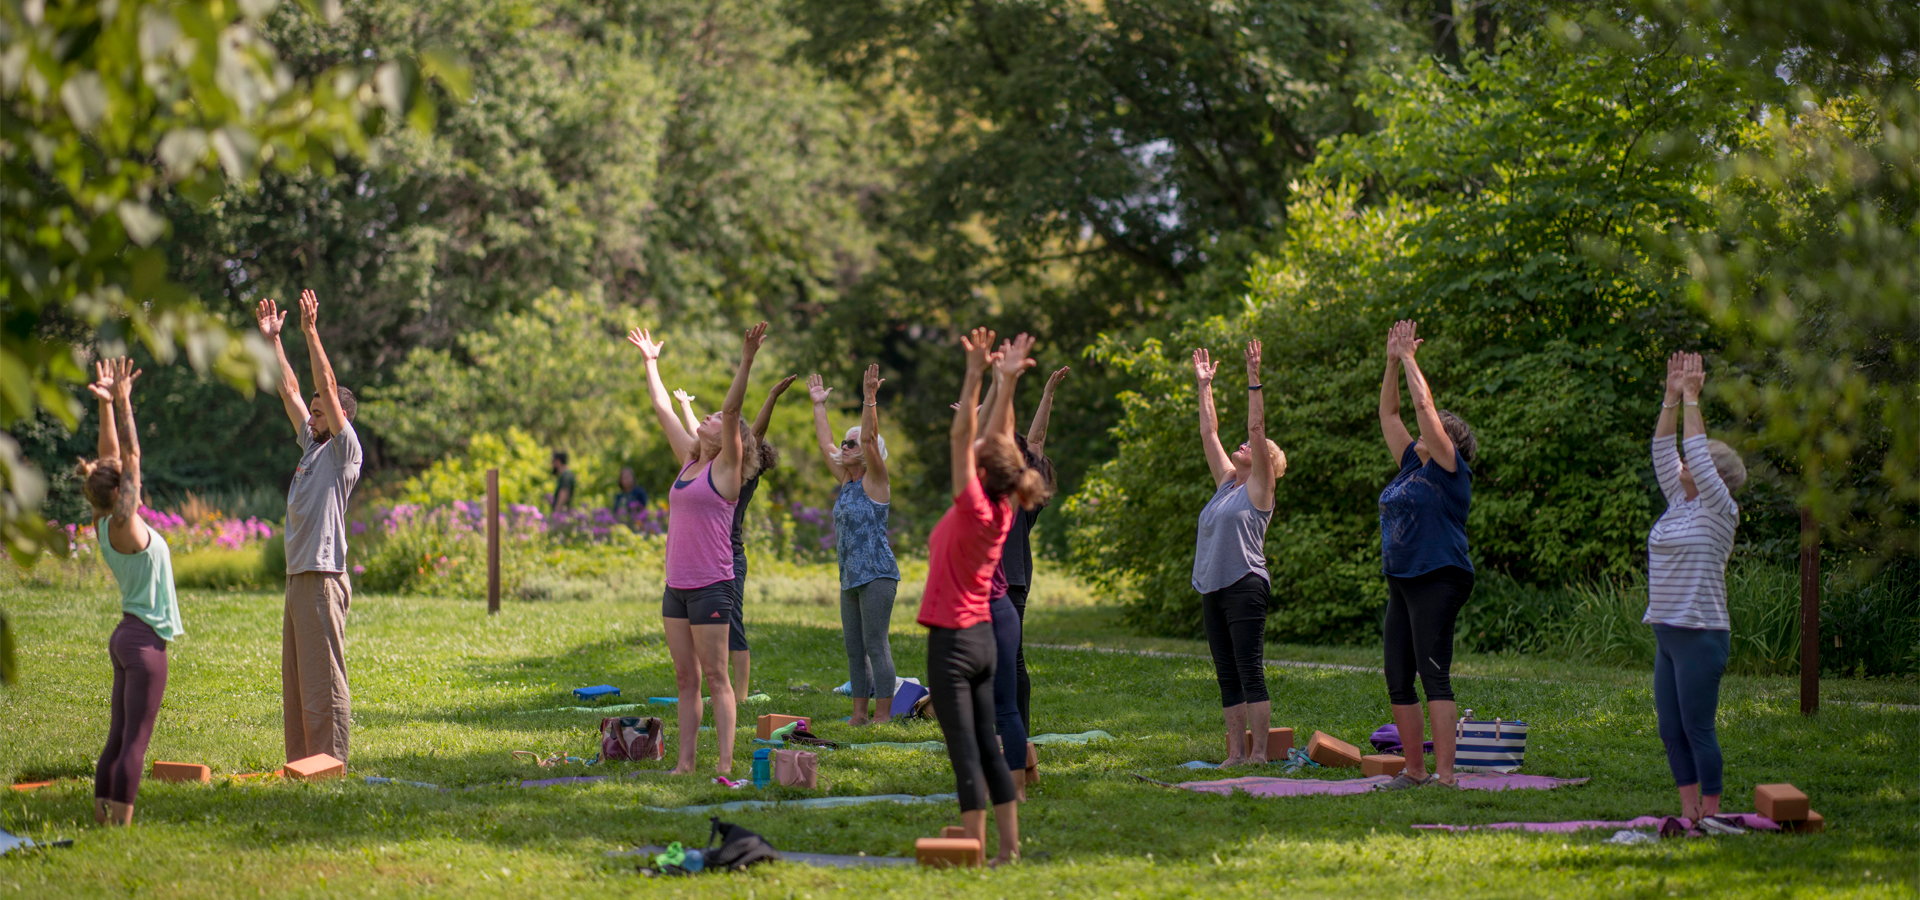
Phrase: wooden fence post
pixel 493 541
pixel 1809 613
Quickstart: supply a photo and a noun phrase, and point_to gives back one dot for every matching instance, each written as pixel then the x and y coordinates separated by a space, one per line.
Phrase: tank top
pixel 1232 542
pixel 699 531
pixel 146 581
pixel 860 537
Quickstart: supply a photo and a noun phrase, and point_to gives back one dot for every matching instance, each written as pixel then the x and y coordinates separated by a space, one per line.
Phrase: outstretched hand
pixel 309 310
pixel 1253 362
pixel 817 389
pixel 1204 366
pixel 782 385
pixel 649 348
pixel 1058 375
pixel 682 396
pixel 1402 340
pixel 102 386
pixel 1693 375
pixel 872 382
pixel 755 337
pixel 123 376
pixel 270 317
pixel 1013 355
pixel 978 344
pixel 1676 364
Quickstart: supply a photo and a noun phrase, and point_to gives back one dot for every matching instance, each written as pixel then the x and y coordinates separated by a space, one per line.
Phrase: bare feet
pixel 1233 761
pixel 857 721
pixel 682 769
pixel 882 720
pixel 999 861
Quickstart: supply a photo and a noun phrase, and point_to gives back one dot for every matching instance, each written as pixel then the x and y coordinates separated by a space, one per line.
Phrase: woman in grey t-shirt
pixel 869 576
pixel 1230 560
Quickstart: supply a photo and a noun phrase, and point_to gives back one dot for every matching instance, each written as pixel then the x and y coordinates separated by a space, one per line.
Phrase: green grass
pixel 439 686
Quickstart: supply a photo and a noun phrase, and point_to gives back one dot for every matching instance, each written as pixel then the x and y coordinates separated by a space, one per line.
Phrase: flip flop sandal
pixel 1720 826
pixel 1401 782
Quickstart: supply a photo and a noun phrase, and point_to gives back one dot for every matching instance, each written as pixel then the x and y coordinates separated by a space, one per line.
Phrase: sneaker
pixel 1401 782
pixel 1721 825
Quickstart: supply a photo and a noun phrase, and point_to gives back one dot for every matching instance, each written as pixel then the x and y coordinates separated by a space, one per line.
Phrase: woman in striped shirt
pixel 1687 587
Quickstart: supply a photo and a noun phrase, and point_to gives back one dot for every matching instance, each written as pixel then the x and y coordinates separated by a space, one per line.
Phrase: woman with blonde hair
pixel 1687 555
pixel 149 611
pixel 701 594
pixel 869 574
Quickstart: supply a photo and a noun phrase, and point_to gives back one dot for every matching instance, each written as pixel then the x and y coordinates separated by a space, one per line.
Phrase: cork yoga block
pixel 1780 802
pixel 944 852
pixel 173 771
pixel 953 831
pixel 771 721
pixel 314 768
pixel 1328 750
pixel 1382 764
pixel 1279 741
pixel 1812 823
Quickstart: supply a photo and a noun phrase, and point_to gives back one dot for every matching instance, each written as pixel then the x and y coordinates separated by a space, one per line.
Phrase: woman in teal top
pixel 150 614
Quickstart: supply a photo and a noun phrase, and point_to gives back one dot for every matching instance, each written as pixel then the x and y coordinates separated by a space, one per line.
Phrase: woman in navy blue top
pixel 1423 551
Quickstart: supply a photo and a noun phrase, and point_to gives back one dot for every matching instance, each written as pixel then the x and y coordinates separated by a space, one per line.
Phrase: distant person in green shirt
pixel 149 611
pixel 563 483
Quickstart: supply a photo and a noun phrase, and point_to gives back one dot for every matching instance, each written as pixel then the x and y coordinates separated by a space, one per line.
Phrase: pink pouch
pixel 796 768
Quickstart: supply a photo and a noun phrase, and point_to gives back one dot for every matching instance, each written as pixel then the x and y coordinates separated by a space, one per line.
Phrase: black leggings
pixel 1418 632
pixel 139 680
pixel 1017 594
pixel 960 678
pixel 1236 620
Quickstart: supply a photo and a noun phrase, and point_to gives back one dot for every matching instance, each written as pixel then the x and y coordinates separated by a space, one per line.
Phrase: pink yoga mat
pixel 1265 786
pixel 1746 820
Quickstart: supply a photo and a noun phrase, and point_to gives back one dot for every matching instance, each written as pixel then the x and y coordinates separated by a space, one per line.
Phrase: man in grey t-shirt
pixel 315 703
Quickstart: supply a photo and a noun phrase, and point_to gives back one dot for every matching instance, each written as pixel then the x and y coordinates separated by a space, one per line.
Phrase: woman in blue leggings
pixel 1687 588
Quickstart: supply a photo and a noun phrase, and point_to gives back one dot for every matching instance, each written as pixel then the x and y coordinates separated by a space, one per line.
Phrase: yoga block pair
pixel 314 768
pixel 952 848
pixel 1787 805
pixel 1328 750
pixel 1279 741
pixel 771 722
pixel 173 771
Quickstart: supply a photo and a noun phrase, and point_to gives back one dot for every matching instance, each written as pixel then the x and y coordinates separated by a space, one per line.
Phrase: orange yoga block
pixel 945 852
pixel 1812 823
pixel 173 771
pixel 1328 750
pixel 773 721
pixel 314 768
pixel 953 831
pixel 1382 764
pixel 32 785
pixel 1279 741
pixel 1780 802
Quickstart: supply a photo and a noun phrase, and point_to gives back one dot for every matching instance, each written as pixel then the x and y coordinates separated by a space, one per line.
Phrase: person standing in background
pixel 316 704
pixel 632 498
pixel 564 484
pixel 1016 559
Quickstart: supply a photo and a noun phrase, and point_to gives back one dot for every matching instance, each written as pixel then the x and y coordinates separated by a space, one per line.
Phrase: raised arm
pixel 875 484
pixel 764 419
pixel 1013 362
pixel 1666 458
pixel 1711 488
pixel 977 344
pixel 108 446
pixel 1391 426
pixel 1432 433
pixel 323 383
pixel 1037 429
pixel 685 447
pixel 1217 462
pixel 127 532
pixel 726 478
pixel 1260 483
pixel 271 318
pixel 822 429
pixel 687 415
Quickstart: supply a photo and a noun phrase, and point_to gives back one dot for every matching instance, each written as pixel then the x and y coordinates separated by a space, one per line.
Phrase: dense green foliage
pixel 1497 183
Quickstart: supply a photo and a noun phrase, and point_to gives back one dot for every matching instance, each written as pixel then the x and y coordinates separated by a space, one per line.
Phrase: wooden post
pixel 1809 613
pixel 493 541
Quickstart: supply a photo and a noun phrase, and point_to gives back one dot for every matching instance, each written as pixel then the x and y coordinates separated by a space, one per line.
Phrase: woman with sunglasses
pixel 869 575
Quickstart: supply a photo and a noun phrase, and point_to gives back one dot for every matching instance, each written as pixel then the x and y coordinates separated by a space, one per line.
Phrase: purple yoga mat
pixel 1746 820
pixel 1262 786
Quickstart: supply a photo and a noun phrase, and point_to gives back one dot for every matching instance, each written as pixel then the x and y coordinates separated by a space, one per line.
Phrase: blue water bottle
pixel 762 767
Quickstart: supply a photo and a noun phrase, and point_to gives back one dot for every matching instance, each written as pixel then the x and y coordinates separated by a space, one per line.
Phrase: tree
pixel 111 108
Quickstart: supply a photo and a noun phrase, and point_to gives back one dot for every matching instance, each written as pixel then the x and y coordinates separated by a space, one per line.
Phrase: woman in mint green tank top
pixel 150 613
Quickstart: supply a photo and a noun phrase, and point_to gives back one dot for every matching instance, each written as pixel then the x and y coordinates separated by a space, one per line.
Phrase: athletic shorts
pixel 709 605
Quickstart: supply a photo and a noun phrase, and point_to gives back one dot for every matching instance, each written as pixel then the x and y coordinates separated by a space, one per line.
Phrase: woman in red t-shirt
pixel 990 475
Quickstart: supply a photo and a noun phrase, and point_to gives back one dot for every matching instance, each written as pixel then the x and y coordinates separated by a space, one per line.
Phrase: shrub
pixel 220 569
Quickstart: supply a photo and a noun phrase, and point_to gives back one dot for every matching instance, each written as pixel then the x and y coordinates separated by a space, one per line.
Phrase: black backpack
pixel 739 848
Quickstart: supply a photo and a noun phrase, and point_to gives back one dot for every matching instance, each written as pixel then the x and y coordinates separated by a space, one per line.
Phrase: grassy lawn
pixel 440 691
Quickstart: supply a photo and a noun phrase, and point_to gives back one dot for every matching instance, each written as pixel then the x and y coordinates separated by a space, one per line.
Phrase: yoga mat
pixel 1081 738
pixel 1265 786
pixel 616 708
pixel 375 779
pixel 832 860
pixel 1747 820
pixel 10 842
pixel 807 803
pixel 929 746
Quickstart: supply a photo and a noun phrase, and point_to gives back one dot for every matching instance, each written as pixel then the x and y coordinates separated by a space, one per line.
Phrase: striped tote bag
pixel 1483 745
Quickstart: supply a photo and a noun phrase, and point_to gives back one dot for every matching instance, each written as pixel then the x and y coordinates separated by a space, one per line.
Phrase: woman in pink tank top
pixel 697 607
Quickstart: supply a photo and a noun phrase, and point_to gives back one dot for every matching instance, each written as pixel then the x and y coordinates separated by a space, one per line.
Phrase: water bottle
pixel 762 767
pixel 695 861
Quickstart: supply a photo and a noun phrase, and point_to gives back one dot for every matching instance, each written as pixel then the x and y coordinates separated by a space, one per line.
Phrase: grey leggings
pixel 865 613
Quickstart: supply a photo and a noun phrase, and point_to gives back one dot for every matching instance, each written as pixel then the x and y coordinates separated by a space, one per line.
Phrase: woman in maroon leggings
pixel 150 614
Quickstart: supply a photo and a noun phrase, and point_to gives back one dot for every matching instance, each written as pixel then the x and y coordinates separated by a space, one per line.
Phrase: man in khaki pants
pixel 315 702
